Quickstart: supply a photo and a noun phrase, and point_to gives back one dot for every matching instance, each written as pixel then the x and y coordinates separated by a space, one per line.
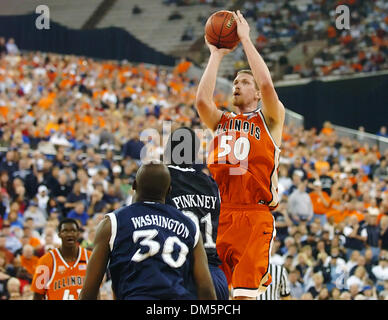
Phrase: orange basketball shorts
pixel 244 241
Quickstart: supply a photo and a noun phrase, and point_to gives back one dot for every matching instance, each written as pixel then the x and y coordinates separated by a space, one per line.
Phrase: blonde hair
pixel 248 71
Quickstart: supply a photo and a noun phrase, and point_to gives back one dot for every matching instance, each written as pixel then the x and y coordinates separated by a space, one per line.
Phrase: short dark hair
pixel 68 220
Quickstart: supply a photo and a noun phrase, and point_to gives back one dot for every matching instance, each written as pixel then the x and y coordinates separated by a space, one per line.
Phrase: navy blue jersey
pixel 151 252
pixel 197 196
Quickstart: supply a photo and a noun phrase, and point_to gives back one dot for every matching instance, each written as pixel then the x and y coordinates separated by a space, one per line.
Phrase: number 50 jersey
pixel 243 159
pixel 151 252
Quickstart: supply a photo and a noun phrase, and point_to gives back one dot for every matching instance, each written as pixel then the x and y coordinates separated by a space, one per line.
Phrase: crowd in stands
pixel 72 133
pixel 282 25
pixel 332 224
pixel 181 3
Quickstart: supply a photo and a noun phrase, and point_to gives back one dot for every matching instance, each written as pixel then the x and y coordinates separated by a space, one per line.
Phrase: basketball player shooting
pixel 253 137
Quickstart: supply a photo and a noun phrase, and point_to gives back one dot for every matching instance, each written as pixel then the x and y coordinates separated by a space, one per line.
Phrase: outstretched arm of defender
pixel 207 109
pixel 273 109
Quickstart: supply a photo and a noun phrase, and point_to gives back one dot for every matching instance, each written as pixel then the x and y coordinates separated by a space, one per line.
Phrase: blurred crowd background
pixel 74 130
pixel 71 139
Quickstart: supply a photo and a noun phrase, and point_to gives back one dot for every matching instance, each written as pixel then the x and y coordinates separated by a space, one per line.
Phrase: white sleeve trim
pixel 251 293
pixel 196 238
pixel 113 229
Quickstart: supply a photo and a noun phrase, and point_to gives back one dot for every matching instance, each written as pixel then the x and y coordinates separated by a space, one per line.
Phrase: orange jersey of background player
pixel 244 159
pixel 58 279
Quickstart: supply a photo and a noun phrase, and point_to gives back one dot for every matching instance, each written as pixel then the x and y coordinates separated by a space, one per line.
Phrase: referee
pixel 279 288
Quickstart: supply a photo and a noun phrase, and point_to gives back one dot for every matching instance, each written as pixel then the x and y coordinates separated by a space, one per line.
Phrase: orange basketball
pixel 221 30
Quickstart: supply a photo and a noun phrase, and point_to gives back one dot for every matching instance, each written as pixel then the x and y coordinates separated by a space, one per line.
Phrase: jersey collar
pixel 254 111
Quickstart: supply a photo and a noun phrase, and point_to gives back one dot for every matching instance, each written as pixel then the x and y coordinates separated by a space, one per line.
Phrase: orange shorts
pixel 244 241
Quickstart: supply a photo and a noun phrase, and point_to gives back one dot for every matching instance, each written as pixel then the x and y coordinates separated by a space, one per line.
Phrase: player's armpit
pixel 273 109
pixel 98 261
pixel 274 120
pixel 202 277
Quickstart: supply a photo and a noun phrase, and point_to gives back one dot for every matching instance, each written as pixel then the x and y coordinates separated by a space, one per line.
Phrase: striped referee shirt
pixel 279 286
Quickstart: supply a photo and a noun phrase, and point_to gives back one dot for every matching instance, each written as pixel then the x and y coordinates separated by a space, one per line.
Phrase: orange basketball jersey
pixel 243 159
pixel 58 279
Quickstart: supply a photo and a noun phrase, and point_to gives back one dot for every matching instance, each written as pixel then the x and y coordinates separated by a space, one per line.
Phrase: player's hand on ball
pixel 243 28
pixel 214 49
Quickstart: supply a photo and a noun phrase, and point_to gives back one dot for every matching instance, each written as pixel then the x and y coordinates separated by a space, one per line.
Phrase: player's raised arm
pixel 98 262
pixel 273 109
pixel 207 109
pixel 202 277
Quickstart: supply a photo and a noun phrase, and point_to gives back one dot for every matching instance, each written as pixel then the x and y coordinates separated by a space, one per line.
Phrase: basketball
pixel 221 30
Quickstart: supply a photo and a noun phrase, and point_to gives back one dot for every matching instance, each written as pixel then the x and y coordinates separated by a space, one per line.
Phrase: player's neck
pixel 248 108
pixel 69 253
pixel 141 198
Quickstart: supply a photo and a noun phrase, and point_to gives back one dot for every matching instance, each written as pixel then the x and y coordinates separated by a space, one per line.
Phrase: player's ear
pixel 258 94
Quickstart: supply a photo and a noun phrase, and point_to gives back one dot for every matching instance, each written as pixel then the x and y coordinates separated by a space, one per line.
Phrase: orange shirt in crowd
pixel 346 39
pixel 380 215
pixel 261 39
pixel 359 215
pixel 357 67
pixel 325 70
pixel 337 64
pixel 29 264
pixel 182 67
pixel 338 215
pixel 327 131
pixel 4 111
pixel 335 212
pixel 331 32
pixel 35 242
pixel 51 126
pixel 321 164
pixel 47 101
pixel 176 86
pixel 319 206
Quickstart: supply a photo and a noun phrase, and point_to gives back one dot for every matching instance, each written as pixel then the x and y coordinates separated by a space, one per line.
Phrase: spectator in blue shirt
pixel 12 243
pixel 132 148
pixel 79 213
pixel 383 132
pixel 14 217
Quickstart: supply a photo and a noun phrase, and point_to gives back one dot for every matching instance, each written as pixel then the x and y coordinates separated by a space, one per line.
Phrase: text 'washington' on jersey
pixel 171 224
